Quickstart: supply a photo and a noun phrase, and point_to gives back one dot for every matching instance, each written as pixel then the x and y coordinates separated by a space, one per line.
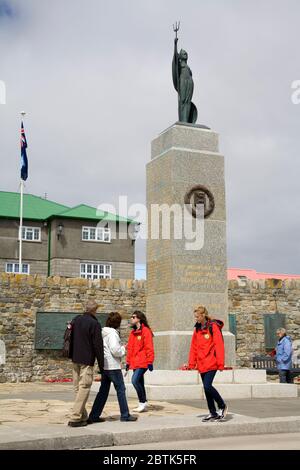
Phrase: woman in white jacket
pixel 111 373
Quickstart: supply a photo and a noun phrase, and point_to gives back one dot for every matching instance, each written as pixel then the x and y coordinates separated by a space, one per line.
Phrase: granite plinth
pixel 181 273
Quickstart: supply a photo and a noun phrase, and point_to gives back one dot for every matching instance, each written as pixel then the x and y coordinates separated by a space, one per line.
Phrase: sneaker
pixel 141 408
pixel 222 412
pixel 130 418
pixel 77 424
pixel 146 406
pixel 136 408
pixel 210 417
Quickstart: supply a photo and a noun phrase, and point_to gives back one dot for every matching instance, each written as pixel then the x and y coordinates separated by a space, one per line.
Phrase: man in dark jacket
pixel 87 345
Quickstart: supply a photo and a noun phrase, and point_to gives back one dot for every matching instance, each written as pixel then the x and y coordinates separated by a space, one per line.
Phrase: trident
pixel 176 27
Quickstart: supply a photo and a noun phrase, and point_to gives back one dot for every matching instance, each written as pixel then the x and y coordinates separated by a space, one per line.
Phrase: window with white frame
pixel 95 271
pixel 96 234
pixel 14 268
pixel 31 234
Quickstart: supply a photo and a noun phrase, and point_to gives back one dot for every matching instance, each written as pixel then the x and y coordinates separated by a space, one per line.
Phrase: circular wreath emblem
pixel 199 195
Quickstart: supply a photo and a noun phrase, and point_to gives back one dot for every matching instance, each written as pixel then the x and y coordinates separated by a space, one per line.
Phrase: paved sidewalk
pixel 288 441
pixel 34 416
pixel 257 408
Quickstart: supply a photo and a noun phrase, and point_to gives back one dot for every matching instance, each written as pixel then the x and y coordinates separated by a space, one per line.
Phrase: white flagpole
pixel 21 214
pixel 21 225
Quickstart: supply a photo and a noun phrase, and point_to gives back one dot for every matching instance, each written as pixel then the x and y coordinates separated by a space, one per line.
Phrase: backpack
pixel 67 349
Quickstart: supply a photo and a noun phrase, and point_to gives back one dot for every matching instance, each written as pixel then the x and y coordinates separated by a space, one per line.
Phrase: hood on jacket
pixel 220 323
pixel 198 326
pixel 106 330
pixel 286 337
pixel 136 330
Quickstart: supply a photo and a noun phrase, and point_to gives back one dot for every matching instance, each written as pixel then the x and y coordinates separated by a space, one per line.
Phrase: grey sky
pixel 95 79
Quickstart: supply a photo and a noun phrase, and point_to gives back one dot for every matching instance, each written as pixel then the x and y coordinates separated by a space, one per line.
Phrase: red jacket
pixel 140 350
pixel 207 351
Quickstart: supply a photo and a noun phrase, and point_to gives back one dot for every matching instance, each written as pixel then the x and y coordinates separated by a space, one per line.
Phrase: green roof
pixel 82 211
pixel 38 208
pixel 34 207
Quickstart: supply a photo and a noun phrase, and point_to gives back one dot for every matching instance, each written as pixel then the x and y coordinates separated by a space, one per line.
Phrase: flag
pixel 24 161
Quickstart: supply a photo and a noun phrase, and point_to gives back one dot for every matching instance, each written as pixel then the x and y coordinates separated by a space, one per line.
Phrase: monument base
pixel 166 385
pixel 172 349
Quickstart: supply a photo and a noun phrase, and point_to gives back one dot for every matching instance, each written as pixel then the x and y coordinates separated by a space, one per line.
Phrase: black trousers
pixel 212 395
pixel 285 376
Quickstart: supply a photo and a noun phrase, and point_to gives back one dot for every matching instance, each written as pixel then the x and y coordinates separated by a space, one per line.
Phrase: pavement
pixel 288 441
pixel 34 416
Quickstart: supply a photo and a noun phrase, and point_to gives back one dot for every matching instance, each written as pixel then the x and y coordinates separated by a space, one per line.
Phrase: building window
pixel 31 234
pixel 96 234
pixel 95 271
pixel 14 268
pixel 242 281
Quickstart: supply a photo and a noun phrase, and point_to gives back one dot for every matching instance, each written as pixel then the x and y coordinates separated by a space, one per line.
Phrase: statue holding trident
pixel 183 83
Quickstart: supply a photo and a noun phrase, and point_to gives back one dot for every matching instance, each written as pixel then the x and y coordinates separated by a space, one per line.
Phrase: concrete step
pixel 176 392
pixel 192 377
pixel 227 390
pixel 181 377
pixel 184 384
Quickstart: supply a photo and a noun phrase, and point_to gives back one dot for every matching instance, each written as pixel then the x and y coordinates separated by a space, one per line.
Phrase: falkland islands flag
pixel 24 160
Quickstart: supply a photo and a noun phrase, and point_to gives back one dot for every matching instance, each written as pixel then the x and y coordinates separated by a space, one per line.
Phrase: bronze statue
pixel 183 83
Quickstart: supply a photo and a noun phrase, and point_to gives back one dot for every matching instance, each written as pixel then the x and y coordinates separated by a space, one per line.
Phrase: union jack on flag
pixel 24 160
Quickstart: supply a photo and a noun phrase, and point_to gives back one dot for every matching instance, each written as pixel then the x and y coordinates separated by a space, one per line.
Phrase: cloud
pixel 95 80
pixel 6 10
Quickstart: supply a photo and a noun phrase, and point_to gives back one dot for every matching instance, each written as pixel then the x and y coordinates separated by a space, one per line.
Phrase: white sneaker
pixel 222 412
pixel 141 408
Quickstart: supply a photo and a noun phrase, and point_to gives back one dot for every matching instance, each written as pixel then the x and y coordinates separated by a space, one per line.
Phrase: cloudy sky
pixel 95 79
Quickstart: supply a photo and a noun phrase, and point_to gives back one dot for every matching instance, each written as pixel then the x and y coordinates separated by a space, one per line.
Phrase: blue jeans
pixel 212 395
pixel 108 377
pixel 139 385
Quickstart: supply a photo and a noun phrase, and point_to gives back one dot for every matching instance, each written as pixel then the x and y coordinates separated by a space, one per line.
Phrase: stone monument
pixel 186 170
pixel 185 182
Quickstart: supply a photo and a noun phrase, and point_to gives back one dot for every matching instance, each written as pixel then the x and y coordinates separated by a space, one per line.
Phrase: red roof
pixel 235 273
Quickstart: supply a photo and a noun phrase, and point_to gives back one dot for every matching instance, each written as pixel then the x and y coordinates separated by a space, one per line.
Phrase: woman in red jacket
pixel 140 355
pixel 207 355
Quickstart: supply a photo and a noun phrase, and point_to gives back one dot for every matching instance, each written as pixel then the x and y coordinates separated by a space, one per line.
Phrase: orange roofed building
pixel 238 273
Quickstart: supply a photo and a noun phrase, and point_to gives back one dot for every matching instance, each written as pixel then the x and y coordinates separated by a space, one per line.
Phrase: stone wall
pixel 22 296
pixel 250 301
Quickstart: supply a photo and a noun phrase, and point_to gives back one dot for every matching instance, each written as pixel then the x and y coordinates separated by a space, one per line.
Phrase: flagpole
pixel 21 215
pixel 21 226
